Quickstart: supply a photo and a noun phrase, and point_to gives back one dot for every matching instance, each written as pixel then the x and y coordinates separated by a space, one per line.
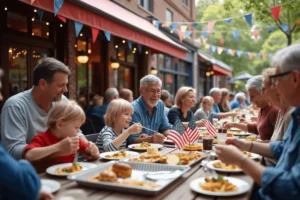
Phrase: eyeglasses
pixel 273 77
pixel 153 91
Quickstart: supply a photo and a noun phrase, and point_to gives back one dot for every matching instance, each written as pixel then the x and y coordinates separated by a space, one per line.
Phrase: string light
pixel 61 25
pixel 75 45
pixel 81 34
pixel 47 23
pixel 32 19
pixel 35 10
pixel 5 8
pixel 116 46
pixel 123 41
pixel 146 52
pixel 134 49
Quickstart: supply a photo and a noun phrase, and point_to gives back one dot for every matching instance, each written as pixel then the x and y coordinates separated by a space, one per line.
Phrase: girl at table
pixel 59 143
pixel 118 117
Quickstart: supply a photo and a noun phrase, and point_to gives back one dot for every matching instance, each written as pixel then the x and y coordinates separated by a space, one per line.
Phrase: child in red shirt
pixel 59 143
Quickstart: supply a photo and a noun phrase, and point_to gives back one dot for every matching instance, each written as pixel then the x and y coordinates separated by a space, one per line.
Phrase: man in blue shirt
pixel 283 180
pixel 149 111
pixel 239 101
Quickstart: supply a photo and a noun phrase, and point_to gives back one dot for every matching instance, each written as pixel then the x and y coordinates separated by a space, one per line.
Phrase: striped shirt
pixel 105 139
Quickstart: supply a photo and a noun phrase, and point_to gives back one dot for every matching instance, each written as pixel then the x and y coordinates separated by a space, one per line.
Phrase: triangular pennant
pixel 258 55
pixel 221 41
pixel 204 34
pixel 264 56
pixel 220 50
pixel 251 54
pixel 228 20
pixel 107 35
pixel 213 48
pixel 271 29
pixel 255 34
pixel 210 26
pixel 139 48
pixel 180 35
pixel 195 24
pixel 284 27
pixel 32 1
pixel 183 28
pixel 63 19
pixel 239 53
pixel 270 55
pixel 188 34
pixel 174 26
pixel 276 11
pixel 94 33
pixel 168 24
pixel 227 51
pixel 297 23
pixel 232 52
pixel 78 27
pixel 248 19
pixel 236 35
pixel 157 23
pixel 57 6
pixel 247 53
pixel 129 44
pixel 207 46
pixel 40 13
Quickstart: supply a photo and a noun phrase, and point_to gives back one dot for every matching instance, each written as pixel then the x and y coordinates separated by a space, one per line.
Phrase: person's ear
pixel 296 77
pixel 43 83
pixel 59 124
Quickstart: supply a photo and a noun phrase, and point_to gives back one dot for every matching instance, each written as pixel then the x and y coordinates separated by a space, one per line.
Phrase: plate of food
pixel 241 133
pixel 222 167
pixel 222 186
pixel 143 146
pixel 251 155
pixel 49 186
pixel 193 147
pixel 117 155
pixel 69 168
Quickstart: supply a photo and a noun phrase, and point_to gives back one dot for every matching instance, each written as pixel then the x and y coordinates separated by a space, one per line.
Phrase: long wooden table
pixel 178 190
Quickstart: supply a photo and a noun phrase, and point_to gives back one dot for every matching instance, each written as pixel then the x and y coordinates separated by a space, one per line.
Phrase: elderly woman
pixel 281 181
pixel 184 100
pixel 264 127
pixel 204 111
pixel 223 105
pixel 239 101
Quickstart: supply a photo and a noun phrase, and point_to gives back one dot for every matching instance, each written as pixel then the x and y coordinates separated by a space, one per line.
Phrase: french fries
pixel 214 185
pixel 222 165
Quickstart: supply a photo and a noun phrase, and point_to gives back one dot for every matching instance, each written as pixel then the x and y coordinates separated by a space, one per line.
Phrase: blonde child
pixel 59 143
pixel 118 116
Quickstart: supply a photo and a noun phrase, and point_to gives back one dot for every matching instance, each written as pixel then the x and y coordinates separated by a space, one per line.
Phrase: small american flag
pixel 210 128
pixel 177 135
pixel 192 131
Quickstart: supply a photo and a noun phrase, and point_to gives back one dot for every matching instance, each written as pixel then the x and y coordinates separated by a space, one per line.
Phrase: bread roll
pixel 122 170
pixel 152 150
pixel 107 176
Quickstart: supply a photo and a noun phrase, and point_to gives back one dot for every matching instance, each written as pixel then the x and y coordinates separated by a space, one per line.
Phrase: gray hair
pixel 149 80
pixel 256 82
pixel 110 94
pixel 240 95
pixel 46 69
pixel 287 59
pixel 214 91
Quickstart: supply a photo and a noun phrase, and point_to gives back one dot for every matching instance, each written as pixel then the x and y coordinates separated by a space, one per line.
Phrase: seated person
pixel 59 143
pixel 224 105
pixel 118 117
pixel 239 101
pixel 126 94
pixel 205 111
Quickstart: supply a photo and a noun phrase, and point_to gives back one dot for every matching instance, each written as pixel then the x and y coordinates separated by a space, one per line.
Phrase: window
pixel 147 4
pixel 17 22
pixel 169 15
pixel 185 2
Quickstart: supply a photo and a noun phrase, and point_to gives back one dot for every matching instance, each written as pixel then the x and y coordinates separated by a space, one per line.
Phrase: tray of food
pixel 138 178
pixel 118 155
pixel 144 146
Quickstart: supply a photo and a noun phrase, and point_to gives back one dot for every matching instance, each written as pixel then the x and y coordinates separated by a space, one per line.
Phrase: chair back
pixel 92 137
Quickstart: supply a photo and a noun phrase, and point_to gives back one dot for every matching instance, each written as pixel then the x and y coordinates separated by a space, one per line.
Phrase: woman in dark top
pixel 184 100
pixel 224 105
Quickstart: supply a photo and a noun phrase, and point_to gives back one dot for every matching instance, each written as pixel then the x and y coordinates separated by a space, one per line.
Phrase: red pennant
pixel 255 34
pixel 63 19
pixel 264 56
pixel 210 26
pixel 275 11
pixel 175 60
pixel 180 35
pixel 221 41
pixel 232 52
pixel 32 1
pixel 297 23
pixel 94 33
pixel 251 54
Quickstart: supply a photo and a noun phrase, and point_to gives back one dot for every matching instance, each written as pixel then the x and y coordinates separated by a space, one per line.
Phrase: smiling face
pixel 57 87
pixel 217 97
pixel 189 99
pixel 257 98
pixel 124 119
pixel 151 94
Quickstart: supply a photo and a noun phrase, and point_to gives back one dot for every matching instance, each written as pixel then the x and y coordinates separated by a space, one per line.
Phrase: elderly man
pixel 282 181
pixel 25 114
pixel 266 120
pixel 216 94
pixel 238 102
pixel 149 111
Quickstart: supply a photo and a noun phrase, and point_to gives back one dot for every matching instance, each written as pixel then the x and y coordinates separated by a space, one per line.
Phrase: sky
pixel 196 1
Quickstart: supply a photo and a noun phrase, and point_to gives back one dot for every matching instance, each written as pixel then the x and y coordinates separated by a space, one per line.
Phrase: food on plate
pixel 193 147
pixel 76 167
pixel 150 158
pixel 143 145
pixel 247 153
pixel 186 158
pixel 152 150
pixel 222 165
pixel 218 185
pixel 215 141
pixel 119 155
pixel 172 159
pixel 122 169
pixel 133 182
pixel 250 138
pixel 229 134
pixel 107 175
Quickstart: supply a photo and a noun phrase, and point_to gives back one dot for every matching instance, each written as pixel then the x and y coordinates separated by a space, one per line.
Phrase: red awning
pixel 108 16
pixel 220 71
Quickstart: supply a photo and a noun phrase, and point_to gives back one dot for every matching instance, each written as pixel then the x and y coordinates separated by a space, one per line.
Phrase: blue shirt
pixel 157 122
pixel 235 104
pixel 283 181
pixel 101 110
pixel 215 110
pixel 18 179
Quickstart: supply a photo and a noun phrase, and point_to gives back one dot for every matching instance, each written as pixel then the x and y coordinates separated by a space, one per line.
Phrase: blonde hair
pixel 207 99
pixel 115 108
pixel 181 93
pixel 67 111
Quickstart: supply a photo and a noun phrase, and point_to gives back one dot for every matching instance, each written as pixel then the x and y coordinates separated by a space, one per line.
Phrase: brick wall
pixel 71 41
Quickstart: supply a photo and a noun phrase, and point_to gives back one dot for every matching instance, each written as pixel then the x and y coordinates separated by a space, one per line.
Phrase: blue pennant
pixel 107 35
pixel 236 35
pixel 195 24
pixel 57 5
pixel 228 20
pixel 156 23
pixel 204 34
pixel 188 34
pixel 129 44
pixel 270 55
pixel 40 13
pixel 284 27
pixel 139 48
pixel 248 19
pixel 258 55
pixel 239 53
pixel 174 26
pixel 213 48
pixel 271 29
pixel 78 27
pixel 227 51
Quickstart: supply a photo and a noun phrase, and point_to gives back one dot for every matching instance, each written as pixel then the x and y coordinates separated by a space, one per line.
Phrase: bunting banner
pixel 63 19
pixel 255 34
pixel 284 27
pixel 236 35
pixel 276 11
pixel 107 35
pixel 251 54
pixel 94 33
pixel 232 52
pixel 188 34
pixel 129 44
pixel 183 28
pixel 248 19
pixel 228 21
pixel 210 26
pixel 180 35
pixel 195 24
pixel 32 1
pixel 213 48
pixel 264 56
pixel 258 55
pixel 239 53
pixel 204 35
pixel 57 6
pixel 221 41
pixel 220 50
pixel 270 55
pixel 139 48
pixel 174 26
pixel 227 51
pixel 78 27
pixel 40 13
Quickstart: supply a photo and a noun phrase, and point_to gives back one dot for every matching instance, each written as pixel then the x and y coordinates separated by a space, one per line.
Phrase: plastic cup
pixel 207 143
pixel 222 137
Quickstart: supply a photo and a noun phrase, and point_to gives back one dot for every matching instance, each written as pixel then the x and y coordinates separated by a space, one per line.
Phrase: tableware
pixel 211 166
pixel 49 186
pixel 207 143
pixel 241 185
pixel 166 141
pixel 85 166
pixel 129 154
pixel 135 146
pixel 222 137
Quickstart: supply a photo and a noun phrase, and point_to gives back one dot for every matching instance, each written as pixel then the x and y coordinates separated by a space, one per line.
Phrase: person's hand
pixel 229 154
pixel 135 128
pixel 241 144
pixel 91 152
pixel 254 119
pixel 158 138
pixel 233 114
pixel 45 195
pixel 69 145
pixel 201 123
pixel 143 135
pixel 229 125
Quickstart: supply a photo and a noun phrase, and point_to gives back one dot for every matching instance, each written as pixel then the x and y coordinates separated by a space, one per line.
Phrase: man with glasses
pixel 149 111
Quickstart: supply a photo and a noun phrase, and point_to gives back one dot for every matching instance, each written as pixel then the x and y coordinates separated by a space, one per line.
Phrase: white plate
pixel 235 129
pixel 49 186
pixel 242 133
pixel 254 156
pixel 242 187
pixel 131 154
pixel 210 165
pixel 145 149
pixel 85 166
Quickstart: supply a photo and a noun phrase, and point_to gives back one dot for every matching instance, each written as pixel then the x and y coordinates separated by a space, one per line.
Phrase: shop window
pixel 125 78
pixel 168 62
pixel 81 69
pixel 40 28
pixel 182 81
pixel 185 2
pixel 17 22
pixel 121 53
pixel 169 15
pixel 170 83
pixel 160 61
pixel 183 67
pixel 147 4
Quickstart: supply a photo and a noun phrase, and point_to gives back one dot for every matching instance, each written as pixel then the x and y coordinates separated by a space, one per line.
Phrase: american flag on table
pixel 192 131
pixel 210 128
pixel 177 135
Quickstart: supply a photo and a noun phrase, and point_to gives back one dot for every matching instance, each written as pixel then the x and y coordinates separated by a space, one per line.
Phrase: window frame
pixel 168 11
pixel 150 5
pixel 185 2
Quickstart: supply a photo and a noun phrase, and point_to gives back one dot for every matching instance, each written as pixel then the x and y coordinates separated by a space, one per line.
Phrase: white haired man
pixel 238 102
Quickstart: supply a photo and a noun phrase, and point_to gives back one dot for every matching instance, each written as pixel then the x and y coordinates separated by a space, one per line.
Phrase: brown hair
pixel 125 94
pixel 181 93
pixel 67 111
pixel 223 101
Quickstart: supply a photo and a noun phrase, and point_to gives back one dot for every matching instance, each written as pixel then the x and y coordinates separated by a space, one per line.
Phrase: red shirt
pixel 45 139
